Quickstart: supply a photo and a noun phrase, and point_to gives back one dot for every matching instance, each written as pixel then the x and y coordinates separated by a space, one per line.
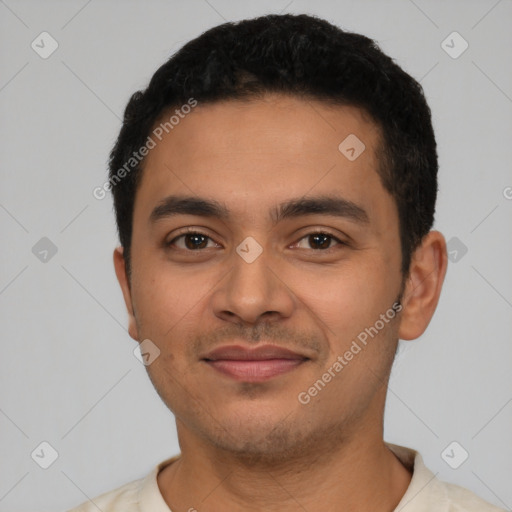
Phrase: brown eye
pixel 319 241
pixel 192 241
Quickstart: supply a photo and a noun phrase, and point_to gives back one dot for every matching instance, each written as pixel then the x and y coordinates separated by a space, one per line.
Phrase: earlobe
pixel 423 287
pixel 120 268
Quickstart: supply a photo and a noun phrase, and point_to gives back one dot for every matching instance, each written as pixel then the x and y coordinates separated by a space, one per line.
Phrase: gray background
pixel 68 373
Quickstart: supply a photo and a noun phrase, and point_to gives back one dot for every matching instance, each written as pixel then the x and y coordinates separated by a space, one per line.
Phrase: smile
pixel 255 371
pixel 255 364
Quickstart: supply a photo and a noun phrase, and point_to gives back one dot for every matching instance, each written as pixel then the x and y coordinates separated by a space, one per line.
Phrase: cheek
pixel 171 305
pixel 346 297
pixel 163 298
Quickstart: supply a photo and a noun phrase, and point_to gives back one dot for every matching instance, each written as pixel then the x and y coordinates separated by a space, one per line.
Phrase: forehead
pixel 275 122
pixel 250 153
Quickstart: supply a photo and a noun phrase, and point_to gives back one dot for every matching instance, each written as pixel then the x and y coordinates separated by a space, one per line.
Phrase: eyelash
pixel 192 231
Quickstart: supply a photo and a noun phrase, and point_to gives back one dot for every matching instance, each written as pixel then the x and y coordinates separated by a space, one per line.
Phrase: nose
pixel 253 291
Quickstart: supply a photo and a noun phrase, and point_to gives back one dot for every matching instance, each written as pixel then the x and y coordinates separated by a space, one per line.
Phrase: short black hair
pixel 307 57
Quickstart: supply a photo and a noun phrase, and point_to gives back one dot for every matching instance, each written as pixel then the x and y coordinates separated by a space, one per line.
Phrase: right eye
pixel 192 241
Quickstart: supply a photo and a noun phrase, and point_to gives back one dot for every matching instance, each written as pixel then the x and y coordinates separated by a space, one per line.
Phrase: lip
pixel 255 364
pixel 261 353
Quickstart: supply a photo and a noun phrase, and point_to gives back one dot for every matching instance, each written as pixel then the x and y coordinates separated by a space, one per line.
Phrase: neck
pixel 360 473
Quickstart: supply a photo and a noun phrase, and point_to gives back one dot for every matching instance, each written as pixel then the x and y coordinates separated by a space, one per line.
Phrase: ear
pixel 120 266
pixel 423 286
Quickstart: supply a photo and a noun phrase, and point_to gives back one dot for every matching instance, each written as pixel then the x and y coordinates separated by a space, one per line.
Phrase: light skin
pixel 255 446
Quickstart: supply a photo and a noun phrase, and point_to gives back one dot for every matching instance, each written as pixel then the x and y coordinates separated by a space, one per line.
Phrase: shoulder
pixel 426 492
pixel 122 498
pixel 140 495
pixel 460 499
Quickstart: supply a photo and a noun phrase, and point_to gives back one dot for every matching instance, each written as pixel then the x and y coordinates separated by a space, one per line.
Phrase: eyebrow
pixel 297 207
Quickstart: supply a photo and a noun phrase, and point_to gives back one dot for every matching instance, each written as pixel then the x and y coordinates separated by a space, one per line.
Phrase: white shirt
pixel 425 493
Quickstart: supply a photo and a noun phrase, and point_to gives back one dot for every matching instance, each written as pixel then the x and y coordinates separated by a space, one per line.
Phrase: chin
pixel 253 438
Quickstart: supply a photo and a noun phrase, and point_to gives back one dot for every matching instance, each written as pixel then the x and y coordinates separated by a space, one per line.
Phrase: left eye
pixel 195 240
pixel 321 240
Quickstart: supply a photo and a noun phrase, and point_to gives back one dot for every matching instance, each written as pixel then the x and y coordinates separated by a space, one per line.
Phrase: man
pixel 275 188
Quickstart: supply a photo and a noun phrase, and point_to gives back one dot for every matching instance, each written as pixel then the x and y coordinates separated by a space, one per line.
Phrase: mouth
pixel 253 365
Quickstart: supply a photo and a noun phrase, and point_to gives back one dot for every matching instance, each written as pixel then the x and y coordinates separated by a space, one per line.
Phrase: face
pixel 251 228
